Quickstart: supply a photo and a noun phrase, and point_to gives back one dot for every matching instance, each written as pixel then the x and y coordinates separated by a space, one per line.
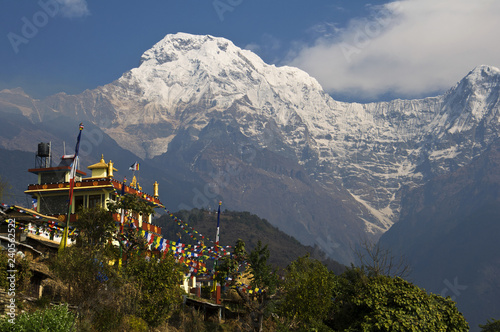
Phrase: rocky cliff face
pixel 270 140
pixel 448 233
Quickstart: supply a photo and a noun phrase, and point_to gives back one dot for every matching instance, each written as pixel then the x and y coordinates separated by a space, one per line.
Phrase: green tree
pixel 493 326
pixel 96 226
pixel 158 284
pixel 263 275
pixel 382 303
pixel 129 240
pixel 229 266
pixel 308 290
pixel 261 292
pixel 131 203
pixel 110 297
pixel 85 272
pixel 84 266
pixel 264 282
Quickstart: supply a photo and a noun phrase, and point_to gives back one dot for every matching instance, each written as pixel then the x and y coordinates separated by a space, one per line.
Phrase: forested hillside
pixel 242 225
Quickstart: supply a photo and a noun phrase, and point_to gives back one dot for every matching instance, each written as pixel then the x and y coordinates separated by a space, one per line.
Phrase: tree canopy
pixel 133 203
pixel 263 279
pixel 308 289
pixel 146 287
pixel 490 326
pixel 383 303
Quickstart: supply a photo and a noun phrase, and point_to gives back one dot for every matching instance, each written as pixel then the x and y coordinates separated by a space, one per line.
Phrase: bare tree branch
pixel 379 261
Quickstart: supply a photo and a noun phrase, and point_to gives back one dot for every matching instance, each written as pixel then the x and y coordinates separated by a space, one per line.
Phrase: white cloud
pixel 408 48
pixel 73 8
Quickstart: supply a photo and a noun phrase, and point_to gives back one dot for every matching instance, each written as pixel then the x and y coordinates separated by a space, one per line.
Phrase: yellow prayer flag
pixel 64 239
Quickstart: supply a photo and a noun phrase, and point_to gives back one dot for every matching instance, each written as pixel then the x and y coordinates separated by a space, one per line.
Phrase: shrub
pixel 133 324
pixel 55 319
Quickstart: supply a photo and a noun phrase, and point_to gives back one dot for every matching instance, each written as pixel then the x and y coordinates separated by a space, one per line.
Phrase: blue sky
pixel 358 50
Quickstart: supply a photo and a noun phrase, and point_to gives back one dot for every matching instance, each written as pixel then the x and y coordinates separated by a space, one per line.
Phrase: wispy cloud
pixel 324 30
pixel 73 8
pixel 408 48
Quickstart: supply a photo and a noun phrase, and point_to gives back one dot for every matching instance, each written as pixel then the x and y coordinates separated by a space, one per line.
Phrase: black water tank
pixel 43 150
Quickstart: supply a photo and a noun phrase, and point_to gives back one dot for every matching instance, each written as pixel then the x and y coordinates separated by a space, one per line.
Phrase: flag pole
pixel 217 243
pixel 122 214
pixel 72 174
pixel 122 222
pixel 218 222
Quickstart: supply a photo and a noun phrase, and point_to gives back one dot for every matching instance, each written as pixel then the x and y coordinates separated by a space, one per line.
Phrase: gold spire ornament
pixel 111 169
pixel 155 189
pixel 133 184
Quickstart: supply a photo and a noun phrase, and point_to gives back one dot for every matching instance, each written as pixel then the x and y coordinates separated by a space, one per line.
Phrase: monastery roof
pixel 101 164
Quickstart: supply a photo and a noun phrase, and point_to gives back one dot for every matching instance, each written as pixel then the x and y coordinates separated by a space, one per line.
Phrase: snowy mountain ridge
pixel 376 151
pixel 372 149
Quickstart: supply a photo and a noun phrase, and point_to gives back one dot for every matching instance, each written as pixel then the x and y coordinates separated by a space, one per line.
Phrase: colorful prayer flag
pixel 72 175
pixel 134 167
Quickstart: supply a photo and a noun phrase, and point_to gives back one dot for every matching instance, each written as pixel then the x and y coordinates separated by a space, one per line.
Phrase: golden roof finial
pixel 155 189
pixel 111 169
pixel 100 165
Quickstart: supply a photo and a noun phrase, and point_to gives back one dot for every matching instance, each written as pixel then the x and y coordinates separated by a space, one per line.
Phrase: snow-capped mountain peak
pixel 472 100
pixel 182 68
pixel 482 74
pixel 184 81
pixel 186 86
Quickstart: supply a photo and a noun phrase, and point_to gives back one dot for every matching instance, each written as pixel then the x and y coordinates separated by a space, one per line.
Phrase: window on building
pixel 52 177
pixel 53 204
pixel 79 202
pixel 95 200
